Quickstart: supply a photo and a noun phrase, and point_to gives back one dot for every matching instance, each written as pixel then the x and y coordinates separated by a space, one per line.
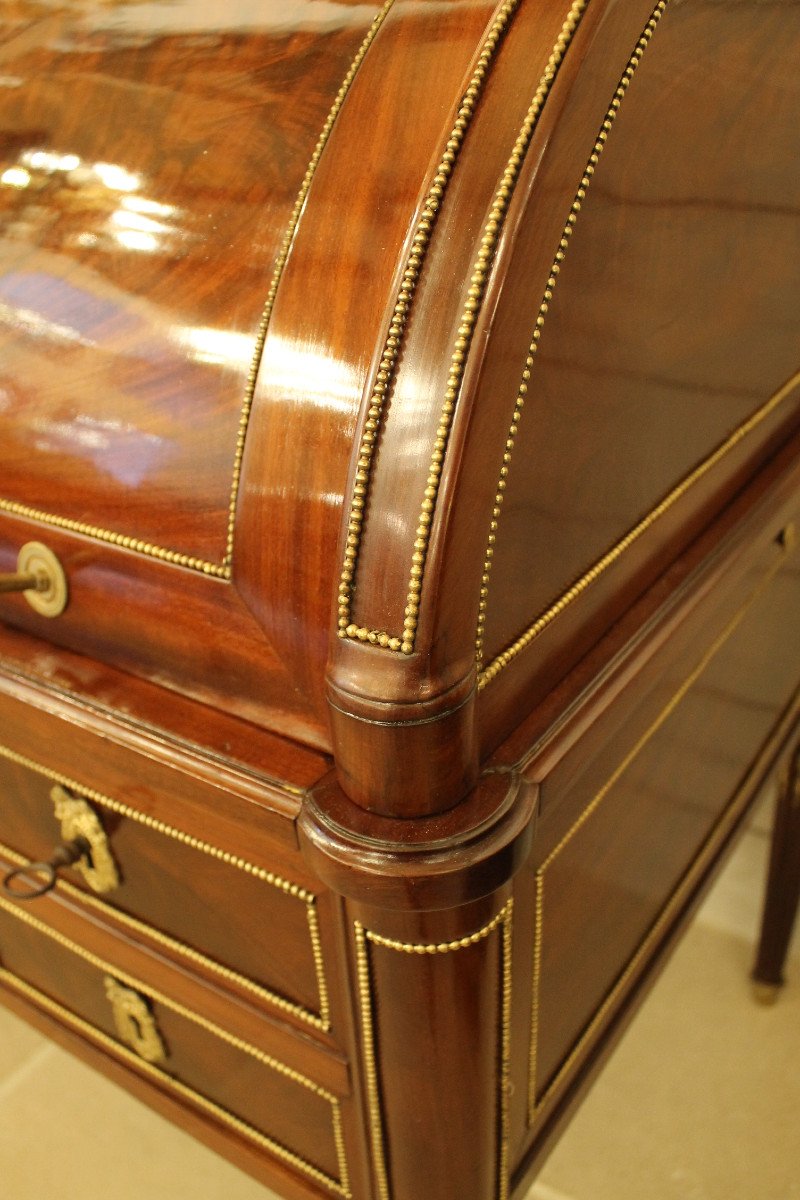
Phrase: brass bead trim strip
pixel 176 946
pixel 502 660
pixel 534 1103
pixel 611 556
pixel 320 1020
pixel 222 570
pixel 533 1048
pixel 94 960
pixel 169 1083
pixel 388 365
pixel 277 273
pixel 126 541
pixel 363 938
pixel 487 674
pixel 387 369
pixel 471 939
pixel 370 1062
pixel 504 1163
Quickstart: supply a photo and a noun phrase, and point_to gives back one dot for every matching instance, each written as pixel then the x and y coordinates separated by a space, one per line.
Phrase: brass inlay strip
pixel 534 1103
pixel 28 918
pixel 223 570
pixel 167 1082
pixel 386 372
pixel 485 676
pixel 178 947
pixel 500 661
pixel 618 549
pixel 280 263
pixel 387 369
pixel 126 541
pixel 363 938
pixel 320 1020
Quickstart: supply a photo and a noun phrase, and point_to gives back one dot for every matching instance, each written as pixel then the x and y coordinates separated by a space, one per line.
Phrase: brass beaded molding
pixel 177 947
pixel 126 541
pixel 280 263
pixel 618 549
pixel 535 1104
pixel 363 938
pixel 320 1020
pixel 223 570
pixel 399 320
pixel 501 660
pixel 339 1187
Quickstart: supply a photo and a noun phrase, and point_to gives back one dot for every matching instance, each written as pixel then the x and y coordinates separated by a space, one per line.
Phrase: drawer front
pixel 245 926
pixel 645 817
pixel 247 1092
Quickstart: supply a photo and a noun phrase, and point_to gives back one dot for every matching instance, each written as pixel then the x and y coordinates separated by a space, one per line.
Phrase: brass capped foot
pixel 766 993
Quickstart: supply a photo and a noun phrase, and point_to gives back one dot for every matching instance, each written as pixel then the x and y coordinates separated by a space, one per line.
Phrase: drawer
pixel 244 921
pixel 629 831
pixel 247 1092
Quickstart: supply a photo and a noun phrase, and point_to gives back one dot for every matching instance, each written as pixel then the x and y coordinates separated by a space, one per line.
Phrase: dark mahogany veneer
pixel 411 395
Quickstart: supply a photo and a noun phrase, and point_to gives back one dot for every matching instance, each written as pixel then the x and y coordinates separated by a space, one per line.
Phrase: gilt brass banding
pixel 283 255
pixel 368 1002
pixel 347 628
pixel 40 578
pixel 338 1187
pixel 222 570
pixel 395 337
pixel 488 673
pixel 537 1102
pixel 319 1019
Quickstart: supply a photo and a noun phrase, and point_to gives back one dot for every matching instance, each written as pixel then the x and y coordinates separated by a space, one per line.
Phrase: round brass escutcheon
pixel 50 595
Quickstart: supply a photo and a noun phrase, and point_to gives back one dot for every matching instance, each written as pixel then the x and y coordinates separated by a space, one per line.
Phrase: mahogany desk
pixel 399 489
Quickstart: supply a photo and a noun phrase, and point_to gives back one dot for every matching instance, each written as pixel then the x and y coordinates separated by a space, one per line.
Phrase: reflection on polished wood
pixel 410 392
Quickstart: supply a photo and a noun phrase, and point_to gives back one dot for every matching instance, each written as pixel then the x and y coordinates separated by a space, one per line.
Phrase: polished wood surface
pixel 410 392
pixel 138 247
pixel 619 189
pixel 180 466
pixel 622 365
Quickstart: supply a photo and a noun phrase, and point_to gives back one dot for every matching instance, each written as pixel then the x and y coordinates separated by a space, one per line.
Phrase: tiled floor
pixel 700 1102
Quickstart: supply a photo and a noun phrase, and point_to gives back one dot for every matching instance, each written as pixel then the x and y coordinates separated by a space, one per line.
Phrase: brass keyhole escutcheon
pixel 41 579
pixel 134 1021
pixel 80 821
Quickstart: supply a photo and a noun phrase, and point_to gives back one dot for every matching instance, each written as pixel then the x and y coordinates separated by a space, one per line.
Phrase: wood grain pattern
pixel 410 391
pixel 138 251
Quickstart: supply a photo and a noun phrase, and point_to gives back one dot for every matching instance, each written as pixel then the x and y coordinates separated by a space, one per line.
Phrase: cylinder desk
pixel 399 483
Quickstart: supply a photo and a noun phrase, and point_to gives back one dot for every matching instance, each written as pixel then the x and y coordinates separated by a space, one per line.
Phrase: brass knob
pixel 40 577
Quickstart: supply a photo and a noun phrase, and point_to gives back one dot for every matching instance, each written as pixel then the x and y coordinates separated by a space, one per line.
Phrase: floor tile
pixel 542 1191
pixel 700 1100
pixel 66 1131
pixel 735 903
pixel 698 1103
pixel 17 1043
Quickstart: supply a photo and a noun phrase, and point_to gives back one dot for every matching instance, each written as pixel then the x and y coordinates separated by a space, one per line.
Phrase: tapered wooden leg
pixel 783 889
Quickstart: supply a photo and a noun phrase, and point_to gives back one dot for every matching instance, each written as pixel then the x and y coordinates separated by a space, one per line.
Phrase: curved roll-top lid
pixel 152 157
pixel 361 363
